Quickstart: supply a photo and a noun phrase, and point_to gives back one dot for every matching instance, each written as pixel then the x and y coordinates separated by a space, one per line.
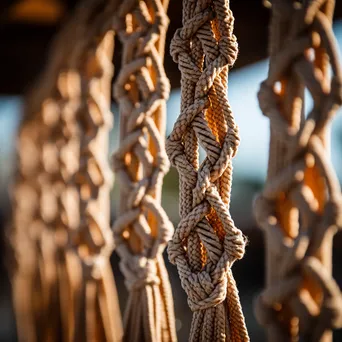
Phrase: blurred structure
pixel 142 227
pixel 62 285
pixel 300 208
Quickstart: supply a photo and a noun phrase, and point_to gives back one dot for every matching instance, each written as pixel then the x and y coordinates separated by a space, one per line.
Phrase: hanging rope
pixel 69 277
pixel 143 228
pixel 206 242
pixel 300 208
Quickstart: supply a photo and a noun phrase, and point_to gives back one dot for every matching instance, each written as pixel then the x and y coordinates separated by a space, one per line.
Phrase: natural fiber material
pixel 206 242
pixel 300 208
pixel 142 228
pixel 63 287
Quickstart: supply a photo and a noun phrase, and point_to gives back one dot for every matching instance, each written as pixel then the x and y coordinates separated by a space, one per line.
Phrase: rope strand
pixel 206 242
pixel 68 282
pixel 300 206
pixel 142 229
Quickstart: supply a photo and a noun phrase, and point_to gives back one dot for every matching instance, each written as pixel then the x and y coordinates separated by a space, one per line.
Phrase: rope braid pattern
pixel 300 208
pixel 143 228
pixel 206 243
pixel 71 108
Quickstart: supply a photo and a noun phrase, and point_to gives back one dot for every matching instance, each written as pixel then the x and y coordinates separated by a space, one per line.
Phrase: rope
pixel 300 208
pixel 142 228
pixel 206 242
pixel 69 279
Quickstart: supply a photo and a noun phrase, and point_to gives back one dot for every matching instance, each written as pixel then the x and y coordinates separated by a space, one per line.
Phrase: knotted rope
pixel 143 228
pixel 72 290
pixel 206 243
pixel 300 208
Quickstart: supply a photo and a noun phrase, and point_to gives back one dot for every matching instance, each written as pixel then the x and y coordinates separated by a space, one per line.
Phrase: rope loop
pixel 300 206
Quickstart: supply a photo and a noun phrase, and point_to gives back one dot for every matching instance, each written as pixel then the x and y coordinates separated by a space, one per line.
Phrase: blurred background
pixel 26 29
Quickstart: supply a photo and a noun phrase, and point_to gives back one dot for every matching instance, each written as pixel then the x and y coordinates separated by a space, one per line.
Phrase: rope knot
pixel 234 139
pixel 229 49
pixel 268 100
pixel 174 251
pixel 163 163
pixel 174 148
pixel 139 272
pixel 262 208
pixel 234 245
pixel 204 292
pixel 178 45
pixel 333 211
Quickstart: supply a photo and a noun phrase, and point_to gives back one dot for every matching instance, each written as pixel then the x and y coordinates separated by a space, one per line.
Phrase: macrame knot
pixel 262 208
pixel 139 272
pixel 174 148
pixel 229 49
pixel 268 100
pixel 233 139
pixel 174 250
pixel 234 245
pixel 203 292
pixel 179 45
pixel 333 212
pixel 163 163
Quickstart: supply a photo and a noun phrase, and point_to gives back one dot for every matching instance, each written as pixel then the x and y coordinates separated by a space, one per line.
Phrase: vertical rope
pixel 143 228
pixel 300 206
pixel 65 291
pixel 206 242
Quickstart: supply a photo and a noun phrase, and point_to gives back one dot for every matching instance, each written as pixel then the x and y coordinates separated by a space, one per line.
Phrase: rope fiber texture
pixel 206 242
pixel 300 208
pixel 66 292
pixel 142 228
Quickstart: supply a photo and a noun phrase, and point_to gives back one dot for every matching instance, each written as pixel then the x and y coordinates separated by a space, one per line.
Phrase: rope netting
pixel 142 228
pixel 300 208
pixel 206 242
pixel 63 284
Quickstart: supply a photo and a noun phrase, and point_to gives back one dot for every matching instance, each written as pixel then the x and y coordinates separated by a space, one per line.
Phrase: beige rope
pixel 300 208
pixel 143 228
pixel 206 242
pixel 69 278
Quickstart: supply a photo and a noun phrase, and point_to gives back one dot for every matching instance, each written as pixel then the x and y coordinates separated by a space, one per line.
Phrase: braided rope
pixel 300 208
pixel 206 242
pixel 73 297
pixel 143 228
pixel 26 204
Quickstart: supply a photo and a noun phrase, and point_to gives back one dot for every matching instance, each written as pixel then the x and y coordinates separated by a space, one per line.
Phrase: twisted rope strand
pixel 206 242
pixel 300 208
pixel 142 227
